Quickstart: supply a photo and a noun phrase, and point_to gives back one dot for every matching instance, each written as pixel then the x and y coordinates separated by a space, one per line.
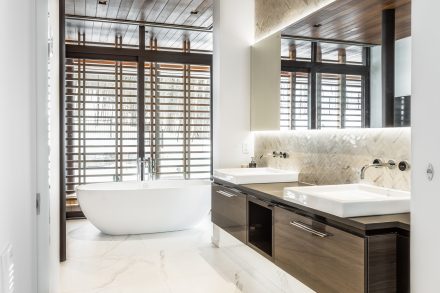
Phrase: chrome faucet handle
pixel 404 166
pixel 391 164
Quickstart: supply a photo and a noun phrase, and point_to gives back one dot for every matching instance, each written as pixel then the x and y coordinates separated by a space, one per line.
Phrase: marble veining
pixel 184 261
pixel 274 15
pixel 336 156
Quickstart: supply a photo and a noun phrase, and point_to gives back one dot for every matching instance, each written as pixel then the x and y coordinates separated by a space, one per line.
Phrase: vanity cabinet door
pixel 229 210
pixel 322 257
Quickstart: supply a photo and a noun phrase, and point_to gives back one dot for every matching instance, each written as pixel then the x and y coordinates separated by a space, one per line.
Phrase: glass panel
pixel 303 49
pixel 101 34
pixel 341 53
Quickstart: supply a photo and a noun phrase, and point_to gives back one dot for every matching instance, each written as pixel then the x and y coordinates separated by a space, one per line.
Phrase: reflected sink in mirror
pixel 255 175
pixel 350 200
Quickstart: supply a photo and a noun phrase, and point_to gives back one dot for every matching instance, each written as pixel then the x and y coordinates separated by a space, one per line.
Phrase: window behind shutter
pixel 101 121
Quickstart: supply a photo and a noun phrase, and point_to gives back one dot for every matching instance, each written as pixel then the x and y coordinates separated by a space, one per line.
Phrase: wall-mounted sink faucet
pixel 377 163
pixel 275 154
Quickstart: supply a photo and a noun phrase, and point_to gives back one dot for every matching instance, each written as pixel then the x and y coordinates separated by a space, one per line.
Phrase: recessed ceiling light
pixel 317 25
pixel 194 12
pixel 102 2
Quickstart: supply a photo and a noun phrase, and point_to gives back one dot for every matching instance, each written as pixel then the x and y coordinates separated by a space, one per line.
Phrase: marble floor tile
pixel 183 261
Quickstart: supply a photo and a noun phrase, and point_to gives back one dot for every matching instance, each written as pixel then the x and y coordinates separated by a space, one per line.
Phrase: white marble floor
pixel 184 261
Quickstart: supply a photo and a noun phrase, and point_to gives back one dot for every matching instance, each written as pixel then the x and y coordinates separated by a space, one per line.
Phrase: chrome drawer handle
pixel 226 193
pixel 308 229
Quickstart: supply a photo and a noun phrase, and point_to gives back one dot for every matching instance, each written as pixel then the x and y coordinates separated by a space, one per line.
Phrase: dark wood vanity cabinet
pixel 325 256
pixel 228 210
pixel 260 226
pixel 322 257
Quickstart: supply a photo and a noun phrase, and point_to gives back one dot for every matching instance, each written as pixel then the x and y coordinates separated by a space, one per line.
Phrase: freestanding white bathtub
pixel 121 208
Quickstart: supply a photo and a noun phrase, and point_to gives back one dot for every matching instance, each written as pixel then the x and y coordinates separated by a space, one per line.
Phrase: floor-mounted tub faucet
pixel 142 164
pixel 141 169
pixel 151 164
pixel 377 163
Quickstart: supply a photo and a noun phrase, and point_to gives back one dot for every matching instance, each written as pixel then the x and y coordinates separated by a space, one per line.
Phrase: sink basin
pixel 255 175
pixel 350 200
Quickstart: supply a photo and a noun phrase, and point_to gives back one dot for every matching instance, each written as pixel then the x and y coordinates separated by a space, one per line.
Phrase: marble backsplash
pixel 337 156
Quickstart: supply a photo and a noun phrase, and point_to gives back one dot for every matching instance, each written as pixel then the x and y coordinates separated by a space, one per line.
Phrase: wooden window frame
pixel 315 66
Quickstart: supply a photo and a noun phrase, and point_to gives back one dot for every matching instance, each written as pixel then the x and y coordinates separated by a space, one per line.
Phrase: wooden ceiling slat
pixel 180 8
pixel 91 7
pixel 131 35
pixel 190 19
pixel 156 10
pixel 160 11
pixel 159 34
pixel 101 11
pixel 195 5
pixel 167 11
pixel 112 12
pixel 96 31
pixel 70 7
pixel 177 42
pixel 170 37
pixel 124 9
pixel 80 7
pixel 353 20
pixel 136 8
pixel 108 30
pixel 197 40
pixel 202 17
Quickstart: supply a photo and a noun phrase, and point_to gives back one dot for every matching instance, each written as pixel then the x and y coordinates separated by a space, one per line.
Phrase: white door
pixel 42 152
pixel 425 105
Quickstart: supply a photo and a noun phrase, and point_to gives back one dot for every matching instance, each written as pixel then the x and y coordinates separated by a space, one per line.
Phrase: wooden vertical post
pixel 388 44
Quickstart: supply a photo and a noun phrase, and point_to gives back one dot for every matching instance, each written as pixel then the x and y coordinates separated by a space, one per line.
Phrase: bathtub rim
pixel 143 185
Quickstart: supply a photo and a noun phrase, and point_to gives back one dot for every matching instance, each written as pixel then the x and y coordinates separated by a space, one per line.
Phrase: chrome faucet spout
pixel 377 163
pixel 364 169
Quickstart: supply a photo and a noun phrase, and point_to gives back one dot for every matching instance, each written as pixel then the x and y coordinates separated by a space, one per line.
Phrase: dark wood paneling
pixel 326 264
pixel 229 211
pixel 403 264
pixel 353 20
pixel 382 263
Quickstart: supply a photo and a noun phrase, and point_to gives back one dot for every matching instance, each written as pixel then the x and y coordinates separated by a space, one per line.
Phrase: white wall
pixel 265 83
pixel 17 132
pixel 54 155
pixel 402 86
pixel 425 202
pixel 233 37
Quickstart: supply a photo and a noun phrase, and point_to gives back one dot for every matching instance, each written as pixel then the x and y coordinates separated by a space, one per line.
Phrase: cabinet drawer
pixel 229 211
pixel 322 257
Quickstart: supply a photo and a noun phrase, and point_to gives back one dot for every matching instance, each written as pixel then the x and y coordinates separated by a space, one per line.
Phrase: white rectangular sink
pixel 255 175
pixel 350 200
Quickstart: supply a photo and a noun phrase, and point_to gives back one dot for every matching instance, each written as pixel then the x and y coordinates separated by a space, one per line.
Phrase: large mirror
pixel 335 72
